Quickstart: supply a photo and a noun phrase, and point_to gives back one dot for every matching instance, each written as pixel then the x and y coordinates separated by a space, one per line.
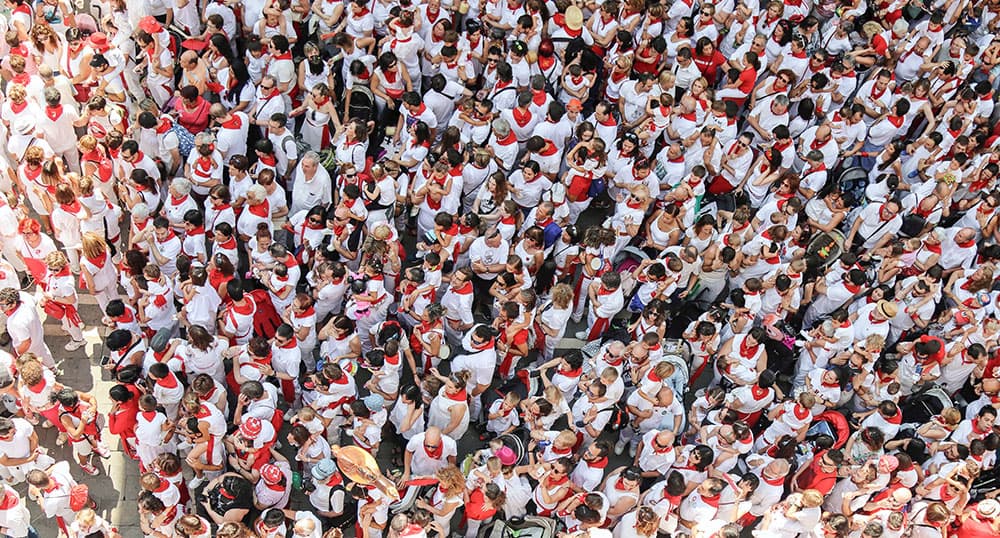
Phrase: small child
pixel 553 445
pixel 704 402
pixel 119 315
pixel 168 467
pixel 312 448
pixel 502 416
pixel 167 388
pixel 163 489
pixel 87 523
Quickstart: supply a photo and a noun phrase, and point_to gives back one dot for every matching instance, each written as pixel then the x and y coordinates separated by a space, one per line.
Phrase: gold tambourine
pixel 360 467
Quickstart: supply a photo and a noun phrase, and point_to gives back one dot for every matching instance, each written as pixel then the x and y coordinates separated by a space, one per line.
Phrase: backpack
pixel 185 140
pixel 361 104
pixel 265 318
pixel 619 417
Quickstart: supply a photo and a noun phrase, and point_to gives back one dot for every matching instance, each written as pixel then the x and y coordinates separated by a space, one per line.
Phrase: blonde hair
pixel 562 295
pixel 451 479
pixel 56 260
pixel 951 416
pixel 812 498
pixel 86 517
pixel 17 93
pixel 87 142
pixel 93 245
pixel 553 395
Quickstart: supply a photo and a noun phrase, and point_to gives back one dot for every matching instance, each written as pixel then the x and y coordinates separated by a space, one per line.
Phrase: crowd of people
pixel 309 225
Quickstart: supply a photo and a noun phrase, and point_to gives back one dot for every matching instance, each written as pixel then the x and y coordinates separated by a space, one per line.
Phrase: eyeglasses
pixel 263 87
pixel 431 447
pixel 316 221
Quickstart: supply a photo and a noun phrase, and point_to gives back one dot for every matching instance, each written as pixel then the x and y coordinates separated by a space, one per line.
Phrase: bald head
pixel 776 469
pixel 433 435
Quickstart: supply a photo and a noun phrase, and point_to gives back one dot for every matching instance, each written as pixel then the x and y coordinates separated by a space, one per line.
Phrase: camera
pixel 308 486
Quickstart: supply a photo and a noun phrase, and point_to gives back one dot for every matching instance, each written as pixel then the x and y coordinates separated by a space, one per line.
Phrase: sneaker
pixel 90 469
pixel 619 447
pixel 195 482
pixel 61 439
pixel 581 335
pixel 74 345
pixel 103 451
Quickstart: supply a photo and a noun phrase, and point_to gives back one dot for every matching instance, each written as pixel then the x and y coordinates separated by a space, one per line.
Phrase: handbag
pixel 54 309
pixel 913 225
pixel 79 497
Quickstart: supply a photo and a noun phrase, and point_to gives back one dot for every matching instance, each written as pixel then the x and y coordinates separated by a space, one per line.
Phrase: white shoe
pixel 74 345
pixel 619 448
pixel 103 451
pixel 194 483
pixel 582 335
pixel 90 470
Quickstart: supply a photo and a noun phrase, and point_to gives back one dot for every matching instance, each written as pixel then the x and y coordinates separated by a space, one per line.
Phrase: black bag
pixel 913 225
pixel 619 417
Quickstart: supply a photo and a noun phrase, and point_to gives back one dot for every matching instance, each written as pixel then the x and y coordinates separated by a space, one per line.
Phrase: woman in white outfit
pixel 449 410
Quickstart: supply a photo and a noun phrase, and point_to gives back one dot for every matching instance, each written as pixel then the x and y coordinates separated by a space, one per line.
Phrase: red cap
pixel 250 428
pixel 271 474
pixel 99 42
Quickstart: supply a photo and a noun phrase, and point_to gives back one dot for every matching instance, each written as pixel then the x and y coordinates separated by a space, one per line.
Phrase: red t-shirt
pixel 748 78
pixel 709 65
pixel 814 477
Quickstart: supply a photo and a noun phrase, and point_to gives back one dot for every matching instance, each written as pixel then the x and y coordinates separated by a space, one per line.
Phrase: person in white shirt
pixel 427 453
pixel 57 127
pixel 311 184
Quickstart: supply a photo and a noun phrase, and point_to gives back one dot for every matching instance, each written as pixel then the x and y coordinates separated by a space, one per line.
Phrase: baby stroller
pixel 853 181
pixel 517 527
pixel 830 423
pixel 418 488
pixel 922 405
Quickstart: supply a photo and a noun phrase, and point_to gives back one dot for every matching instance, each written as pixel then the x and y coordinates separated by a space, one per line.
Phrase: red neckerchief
pixel 758 393
pixel 98 262
pixel 127 317
pixel 975 428
pixel 262 209
pixel 53 112
pixel 748 352
pixel 522 118
pixel 460 396
pixel 72 207
pixel 780 481
pixel 37 388
pixel 896 121
pixel 18 107
pixel 507 140
pixel 800 412
pixel 599 464
pixel 436 453
pixel 165 125
pixel 712 501
pixel 966 244
pixel 871 318
pixel 311 311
